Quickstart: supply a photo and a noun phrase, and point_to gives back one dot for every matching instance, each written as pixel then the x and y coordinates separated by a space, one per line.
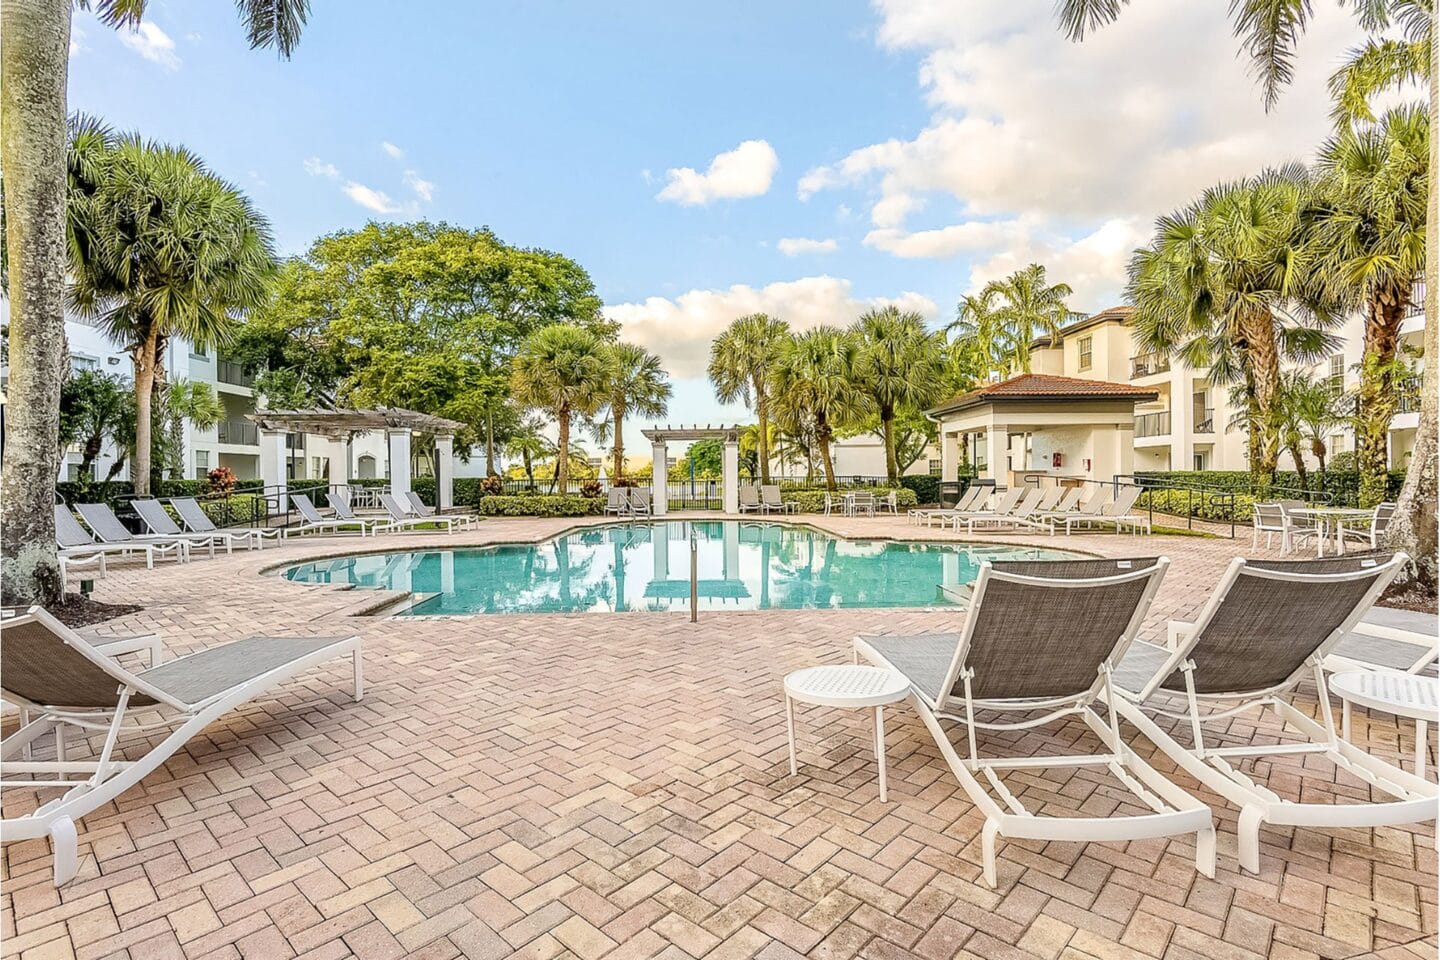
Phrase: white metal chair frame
pixel 1175 810
pixel 313 520
pixel 749 499
pixel 1116 512
pixel 1369 533
pixel 1264 517
pixel 1211 765
pixel 253 537
pixel 1012 511
pixel 772 501
pixel 207 539
pixel 420 508
pixel 150 545
pixel 617 501
pixel 972 499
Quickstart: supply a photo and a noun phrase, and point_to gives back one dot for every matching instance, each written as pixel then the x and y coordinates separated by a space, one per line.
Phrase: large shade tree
pixel 34 58
pixel 742 367
pixel 563 370
pixel 817 388
pixel 638 385
pixel 901 365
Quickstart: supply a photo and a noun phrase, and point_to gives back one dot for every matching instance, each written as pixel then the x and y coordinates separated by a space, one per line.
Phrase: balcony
pixel 1147 364
pixel 1205 421
pixel 238 430
pixel 1417 301
pixel 1407 396
pixel 228 371
pixel 1152 424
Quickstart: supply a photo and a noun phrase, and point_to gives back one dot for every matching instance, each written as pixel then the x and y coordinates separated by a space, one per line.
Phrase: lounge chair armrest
pixel 1175 631
pixel 119 646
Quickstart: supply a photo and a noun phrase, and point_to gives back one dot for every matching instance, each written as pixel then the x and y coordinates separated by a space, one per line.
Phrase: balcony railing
pixel 238 430
pixel 228 371
pixel 1417 301
pixel 1147 363
pixel 1152 425
pixel 1205 421
pixel 1408 395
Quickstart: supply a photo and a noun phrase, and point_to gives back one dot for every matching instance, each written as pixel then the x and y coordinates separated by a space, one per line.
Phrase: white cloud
pixel 423 189
pixel 392 151
pixel 152 43
pixel 947 241
pixel 319 168
pixel 369 198
pixel 680 329
pixel 795 246
pixel 746 171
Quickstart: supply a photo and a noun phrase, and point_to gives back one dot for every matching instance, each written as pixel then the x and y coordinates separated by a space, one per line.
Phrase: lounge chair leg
pixel 987 851
pixel 1205 852
pixel 359 675
pixel 1249 833
pixel 790 732
pixel 67 854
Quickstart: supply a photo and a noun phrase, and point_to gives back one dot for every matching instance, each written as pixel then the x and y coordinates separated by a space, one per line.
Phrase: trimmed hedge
pixel 1343 486
pixel 113 491
pixel 926 487
pixel 813 501
pixel 1181 503
pixel 542 505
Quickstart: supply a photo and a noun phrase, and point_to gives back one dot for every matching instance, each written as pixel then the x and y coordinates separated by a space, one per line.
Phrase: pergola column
pixel 444 472
pixel 399 441
pixel 731 476
pixel 342 450
pixel 659 476
pixel 273 456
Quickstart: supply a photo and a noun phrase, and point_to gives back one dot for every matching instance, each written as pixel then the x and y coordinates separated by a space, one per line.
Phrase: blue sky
pixel 907 151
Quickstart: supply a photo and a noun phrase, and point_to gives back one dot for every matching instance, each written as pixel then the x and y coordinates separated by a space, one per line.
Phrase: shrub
pixel 1182 503
pixel 222 479
pixel 591 488
pixel 1341 488
pixel 926 487
pixel 813 501
pixel 492 486
pixel 540 505
pixel 237 510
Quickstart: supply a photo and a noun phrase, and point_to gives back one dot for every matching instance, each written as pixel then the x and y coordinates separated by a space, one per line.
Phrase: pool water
pixel 741 565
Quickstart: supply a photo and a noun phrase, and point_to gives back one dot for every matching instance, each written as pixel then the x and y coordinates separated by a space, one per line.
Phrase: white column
pixel 731 476
pixel 341 455
pixel 730 569
pixel 444 472
pixel 272 467
pixel 1182 416
pixel 997 447
pixel 658 477
pixel 399 461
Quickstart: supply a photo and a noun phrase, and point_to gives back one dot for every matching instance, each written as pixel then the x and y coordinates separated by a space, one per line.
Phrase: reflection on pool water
pixel 741 565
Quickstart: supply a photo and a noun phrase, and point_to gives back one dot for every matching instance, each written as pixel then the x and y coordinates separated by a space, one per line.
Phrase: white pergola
pixel 340 426
pixel 660 438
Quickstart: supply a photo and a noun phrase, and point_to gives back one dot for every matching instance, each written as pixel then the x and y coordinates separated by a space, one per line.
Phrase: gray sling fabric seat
pixel 422 509
pixel 105 525
pixel 196 519
pixel 158 521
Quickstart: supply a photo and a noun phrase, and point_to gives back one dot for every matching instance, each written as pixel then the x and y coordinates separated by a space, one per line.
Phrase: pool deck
pixel 616 785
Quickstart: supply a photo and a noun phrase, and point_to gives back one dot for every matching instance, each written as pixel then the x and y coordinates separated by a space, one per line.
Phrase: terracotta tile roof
pixel 1039 386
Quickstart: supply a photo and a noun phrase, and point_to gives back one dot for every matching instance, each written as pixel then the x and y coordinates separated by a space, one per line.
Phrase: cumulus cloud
pixel 370 198
pixel 152 43
pixel 746 171
pixel 392 151
pixel 796 246
pixel 680 329
pixel 320 168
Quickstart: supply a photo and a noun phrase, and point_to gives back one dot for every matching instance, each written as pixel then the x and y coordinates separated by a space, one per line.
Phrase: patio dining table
pixel 857 500
pixel 1328 519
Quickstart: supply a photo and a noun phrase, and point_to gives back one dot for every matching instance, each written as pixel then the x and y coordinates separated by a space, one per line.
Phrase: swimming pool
pixel 741 565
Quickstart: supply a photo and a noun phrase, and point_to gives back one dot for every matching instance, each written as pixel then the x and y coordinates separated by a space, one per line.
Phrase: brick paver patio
pixel 616 786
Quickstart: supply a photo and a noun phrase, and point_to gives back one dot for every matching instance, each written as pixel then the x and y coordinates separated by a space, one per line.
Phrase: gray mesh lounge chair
pixel 60 681
pixel 1268 626
pixel 105 525
pixel 1403 641
pixel 772 502
pixel 972 499
pixel 401 518
pixel 422 509
pixel 640 502
pixel 158 521
pixel 79 545
pixel 195 518
pixel 617 502
pixel 750 499
pixel 1041 637
pixel 312 520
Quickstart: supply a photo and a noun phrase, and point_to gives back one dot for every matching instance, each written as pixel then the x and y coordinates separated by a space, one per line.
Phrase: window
pixel 202 464
pixel 1199 462
pixel 198 350
pixel 1086 347
pixel 79 363
pixel 1336 376
pixel 934 467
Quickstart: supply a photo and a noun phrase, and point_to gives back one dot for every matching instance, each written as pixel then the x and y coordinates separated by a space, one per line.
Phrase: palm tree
pixel 162 248
pixel 1370 249
pixel 637 385
pixel 93 408
pixel 187 400
pixel 742 362
pixel 1025 306
pixel 901 366
pixel 979 333
pixel 563 370
pixel 818 387
pixel 529 445
pixel 1316 408
pixel 34 60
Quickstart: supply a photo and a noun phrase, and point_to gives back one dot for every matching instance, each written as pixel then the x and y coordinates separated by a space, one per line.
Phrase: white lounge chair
pixel 1042 637
pixel 60 681
pixel 1387 639
pixel 104 524
pixel 617 501
pixel 1118 513
pixel 79 546
pixel 195 518
pixel 422 509
pixel 401 518
pixel 1006 512
pixel 750 499
pixel 1269 625
pixel 972 499
pixel 312 520
pixel 640 502
pixel 158 521
pixel 771 500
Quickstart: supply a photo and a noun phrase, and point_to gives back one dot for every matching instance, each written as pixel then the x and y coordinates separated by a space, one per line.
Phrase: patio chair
pixel 750 500
pixel 1004 513
pixel 1042 637
pixel 420 508
pixel 158 521
pixel 890 502
pixel 1118 513
pixel 195 518
pixel 1269 519
pixel 312 520
pixel 402 517
pixel 617 501
pixel 834 503
pixel 861 502
pixel 640 502
pixel 78 545
pixel 1269 625
pixel 104 524
pixel 61 680
pixel 1298 526
pixel 1371 534
pixel 772 502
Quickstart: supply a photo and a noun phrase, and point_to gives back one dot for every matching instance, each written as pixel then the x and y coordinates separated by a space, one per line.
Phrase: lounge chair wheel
pixel 67 857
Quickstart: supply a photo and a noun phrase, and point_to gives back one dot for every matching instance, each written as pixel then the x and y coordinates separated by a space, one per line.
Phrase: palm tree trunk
pixel 562 456
pixel 762 447
pixel 887 429
pixel 144 357
pixel 1265 366
pixel 1384 313
pixel 33 64
pixel 1413 528
pixel 619 470
pixel 822 439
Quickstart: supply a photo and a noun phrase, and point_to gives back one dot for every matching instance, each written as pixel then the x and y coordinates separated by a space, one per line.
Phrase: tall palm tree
pixel 818 387
pixel 529 445
pixel 901 367
pixel 1369 238
pixel 742 363
pixel 1026 306
pixel 162 248
pixel 637 385
pixel 563 370
pixel 1316 407
pixel 34 60
pixel 978 331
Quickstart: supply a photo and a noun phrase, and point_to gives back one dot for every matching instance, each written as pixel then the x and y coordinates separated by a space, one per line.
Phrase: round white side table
pixel 1403 694
pixel 845 686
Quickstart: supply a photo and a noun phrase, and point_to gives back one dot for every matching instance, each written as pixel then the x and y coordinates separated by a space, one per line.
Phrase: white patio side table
pixel 1403 694
pixel 846 686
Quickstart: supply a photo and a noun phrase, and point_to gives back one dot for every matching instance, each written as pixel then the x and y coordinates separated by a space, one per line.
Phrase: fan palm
pixel 184 400
pixel 978 332
pixel 1370 240
pixel 818 387
pixel 637 385
pixel 529 445
pixel 563 370
pixel 901 367
pixel 1025 306
pixel 742 364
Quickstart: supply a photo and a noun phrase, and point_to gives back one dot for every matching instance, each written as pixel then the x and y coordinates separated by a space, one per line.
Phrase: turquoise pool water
pixel 741 565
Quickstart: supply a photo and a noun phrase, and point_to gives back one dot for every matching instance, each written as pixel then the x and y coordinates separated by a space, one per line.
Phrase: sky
pixel 701 161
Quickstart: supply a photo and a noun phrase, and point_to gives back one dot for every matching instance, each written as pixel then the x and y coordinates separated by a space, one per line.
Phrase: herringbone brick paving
pixel 616 786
